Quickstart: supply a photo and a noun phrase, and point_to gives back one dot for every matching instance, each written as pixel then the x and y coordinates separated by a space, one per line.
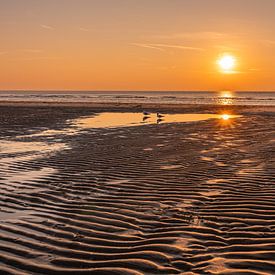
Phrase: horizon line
pixel 113 91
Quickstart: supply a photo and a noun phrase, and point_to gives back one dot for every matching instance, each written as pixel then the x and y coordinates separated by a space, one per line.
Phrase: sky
pixel 136 44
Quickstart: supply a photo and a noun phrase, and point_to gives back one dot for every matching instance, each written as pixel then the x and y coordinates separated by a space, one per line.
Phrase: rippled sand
pixel 184 198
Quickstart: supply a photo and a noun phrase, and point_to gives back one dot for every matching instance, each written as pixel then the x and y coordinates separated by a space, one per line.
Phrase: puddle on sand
pixel 220 164
pixel 170 167
pixel 217 266
pixel 248 161
pixel 160 145
pixel 185 204
pixel 251 170
pixel 46 133
pixel 117 182
pixel 16 147
pixel 211 193
pixel 16 181
pixel 182 243
pixel 207 159
pixel 215 181
pixel 24 152
pixel 129 233
pixel 125 119
pixel 148 149
pixel 113 120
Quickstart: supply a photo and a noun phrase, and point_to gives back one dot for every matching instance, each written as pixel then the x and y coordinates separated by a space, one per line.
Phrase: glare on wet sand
pixel 127 119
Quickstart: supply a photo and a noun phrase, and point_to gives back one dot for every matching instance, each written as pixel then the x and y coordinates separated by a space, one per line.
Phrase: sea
pixel 157 97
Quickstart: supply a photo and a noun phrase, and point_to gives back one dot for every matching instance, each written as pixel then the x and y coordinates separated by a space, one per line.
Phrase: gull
pixel 146 113
pixel 160 115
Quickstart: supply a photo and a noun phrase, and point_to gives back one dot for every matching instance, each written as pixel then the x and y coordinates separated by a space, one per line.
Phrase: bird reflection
pixel 145 118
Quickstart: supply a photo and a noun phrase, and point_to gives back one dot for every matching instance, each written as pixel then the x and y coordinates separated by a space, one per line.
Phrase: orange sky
pixel 136 44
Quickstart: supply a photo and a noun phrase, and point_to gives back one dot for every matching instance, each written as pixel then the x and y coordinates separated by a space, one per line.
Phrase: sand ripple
pixel 109 205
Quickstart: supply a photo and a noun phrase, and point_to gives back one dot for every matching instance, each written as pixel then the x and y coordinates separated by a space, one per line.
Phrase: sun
pixel 227 63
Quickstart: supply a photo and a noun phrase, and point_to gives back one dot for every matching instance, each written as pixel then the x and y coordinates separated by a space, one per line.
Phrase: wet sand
pixel 181 198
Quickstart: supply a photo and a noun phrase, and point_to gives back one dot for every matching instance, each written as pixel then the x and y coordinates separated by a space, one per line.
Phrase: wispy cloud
pixel 192 35
pixel 47 27
pixel 226 48
pixel 269 42
pixel 32 50
pixel 181 47
pixel 164 47
pixel 84 29
pixel 149 46
pixel 35 58
pixel 254 70
pixel 35 52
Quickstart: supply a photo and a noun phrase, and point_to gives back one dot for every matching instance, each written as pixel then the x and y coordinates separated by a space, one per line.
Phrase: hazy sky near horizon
pixel 136 44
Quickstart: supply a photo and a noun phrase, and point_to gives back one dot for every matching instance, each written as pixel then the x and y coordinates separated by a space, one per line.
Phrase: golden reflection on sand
pixel 114 120
pixel 16 147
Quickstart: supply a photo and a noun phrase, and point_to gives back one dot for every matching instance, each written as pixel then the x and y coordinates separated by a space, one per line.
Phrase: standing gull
pixel 159 115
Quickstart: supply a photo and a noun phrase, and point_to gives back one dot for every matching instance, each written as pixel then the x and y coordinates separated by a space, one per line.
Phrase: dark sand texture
pixel 188 198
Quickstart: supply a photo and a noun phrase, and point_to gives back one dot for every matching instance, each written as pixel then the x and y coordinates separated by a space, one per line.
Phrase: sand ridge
pixel 102 203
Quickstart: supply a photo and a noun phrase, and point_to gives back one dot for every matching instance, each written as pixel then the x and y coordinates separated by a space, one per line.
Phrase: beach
pixel 194 197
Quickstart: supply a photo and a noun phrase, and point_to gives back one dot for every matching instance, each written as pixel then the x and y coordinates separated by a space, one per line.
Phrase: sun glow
pixel 227 63
pixel 226 94
pixel 225 117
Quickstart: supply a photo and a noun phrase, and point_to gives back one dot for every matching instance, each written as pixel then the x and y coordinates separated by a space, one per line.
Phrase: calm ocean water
pixel 220 98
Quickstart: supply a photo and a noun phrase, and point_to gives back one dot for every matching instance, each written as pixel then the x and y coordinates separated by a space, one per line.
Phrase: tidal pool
pixel 115 120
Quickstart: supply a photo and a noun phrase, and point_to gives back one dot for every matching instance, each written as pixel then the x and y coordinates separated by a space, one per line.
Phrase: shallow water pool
pixel 114 119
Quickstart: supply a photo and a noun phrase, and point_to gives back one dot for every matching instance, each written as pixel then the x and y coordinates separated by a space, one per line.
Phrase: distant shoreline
pixel 136 107
pixel 131 91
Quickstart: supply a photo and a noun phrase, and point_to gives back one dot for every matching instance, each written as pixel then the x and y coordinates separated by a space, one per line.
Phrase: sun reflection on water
pixel 227 94
pixel 227 120
pixel 225 116
pixel 226 98
pixel 127 119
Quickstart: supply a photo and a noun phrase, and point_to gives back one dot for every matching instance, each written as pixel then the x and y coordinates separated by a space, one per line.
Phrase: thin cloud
pixel 35 58
pixel 226 48
pixel 47 27
pixel 269 42
pixel 192 36
pixel 32 50
pixel 181 47
pixel 84 29
pixel 163 47
pixel 148 46
pixel 255 70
